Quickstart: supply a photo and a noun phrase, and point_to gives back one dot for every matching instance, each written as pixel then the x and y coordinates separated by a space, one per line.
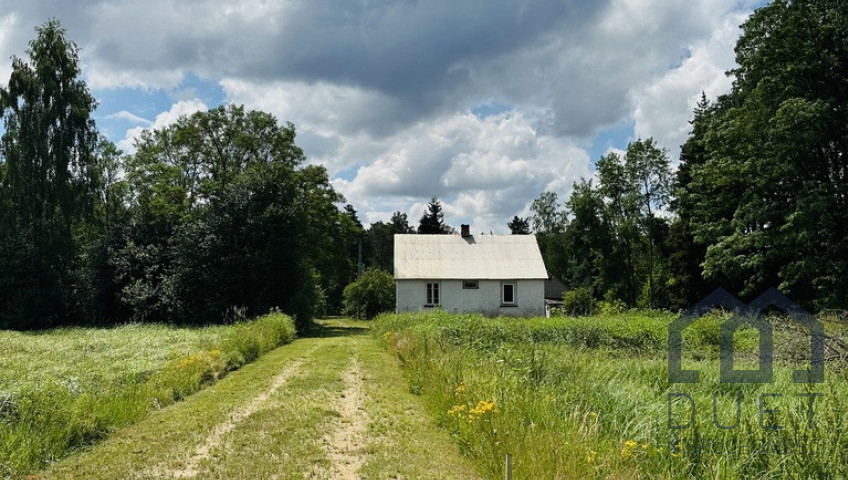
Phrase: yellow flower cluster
pixel 388 336
pixel 483 407
pixel 591 456
pixel 457 410
pixel 193 359
pixel 627 450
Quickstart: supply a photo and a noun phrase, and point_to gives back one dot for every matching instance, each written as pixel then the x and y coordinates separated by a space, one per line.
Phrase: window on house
pixel 432 294
pixel 508 294
pixel 469 284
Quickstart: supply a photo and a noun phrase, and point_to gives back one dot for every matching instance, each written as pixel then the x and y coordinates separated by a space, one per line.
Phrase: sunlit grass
pixel 61 389
pixel 588 397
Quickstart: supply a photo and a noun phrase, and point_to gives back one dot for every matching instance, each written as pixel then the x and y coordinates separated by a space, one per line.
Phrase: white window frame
pixel 433 294
pixel 514 302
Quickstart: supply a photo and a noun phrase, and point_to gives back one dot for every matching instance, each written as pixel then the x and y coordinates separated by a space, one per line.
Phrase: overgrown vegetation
pixel 588 397
pixel 62 389
pixel 371 294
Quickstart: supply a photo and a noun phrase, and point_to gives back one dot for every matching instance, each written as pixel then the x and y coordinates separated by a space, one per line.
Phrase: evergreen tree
pixel 519 226
pixel 432 222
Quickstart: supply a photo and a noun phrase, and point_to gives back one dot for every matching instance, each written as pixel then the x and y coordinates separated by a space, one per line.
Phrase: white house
pixel 489 274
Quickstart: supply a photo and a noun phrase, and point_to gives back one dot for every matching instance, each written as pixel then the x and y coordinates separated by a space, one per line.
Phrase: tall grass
pixel 588 397
pixel 69 387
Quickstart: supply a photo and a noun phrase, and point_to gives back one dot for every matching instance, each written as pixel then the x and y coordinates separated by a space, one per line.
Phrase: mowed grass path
pixel 331 406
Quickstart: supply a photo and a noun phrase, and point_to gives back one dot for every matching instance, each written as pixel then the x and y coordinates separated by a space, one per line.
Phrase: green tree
pixel 547 216
pixel 371 294
pixel 635 188
pixel 50 180
pixel 622 211
pixel 769 201
pixel 381 241
pixel 519 226
pixel 432 222
pixel 588 240
pixel 225 217
pixel 548 225
pixel 650 173
pixel 687 284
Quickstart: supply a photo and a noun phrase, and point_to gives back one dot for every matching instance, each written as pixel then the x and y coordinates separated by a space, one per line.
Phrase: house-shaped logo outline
pixel 746 314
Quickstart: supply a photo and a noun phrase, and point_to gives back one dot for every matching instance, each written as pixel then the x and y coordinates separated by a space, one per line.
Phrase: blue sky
pixel 485 104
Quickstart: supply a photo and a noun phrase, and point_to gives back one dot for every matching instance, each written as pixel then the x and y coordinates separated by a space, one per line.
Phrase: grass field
pixel 65 388
pixel 589 397
pixel 332 405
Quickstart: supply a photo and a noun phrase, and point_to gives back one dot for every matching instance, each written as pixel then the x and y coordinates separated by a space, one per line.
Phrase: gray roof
pixel 554 288
pixel 485 257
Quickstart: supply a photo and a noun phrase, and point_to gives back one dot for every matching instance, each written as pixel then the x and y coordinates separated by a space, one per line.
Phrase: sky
pixel 484 104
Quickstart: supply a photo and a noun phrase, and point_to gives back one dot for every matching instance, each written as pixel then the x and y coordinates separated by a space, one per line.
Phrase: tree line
pixel 213 218
pixel 218 216
pixel 760 196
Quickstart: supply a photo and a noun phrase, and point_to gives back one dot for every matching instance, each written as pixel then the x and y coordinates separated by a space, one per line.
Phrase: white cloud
pixel 483 170
pixel 100 77
pixel 177 110
pixel 129 117
pixel 383 87
pixel 664 107
pixel 337 125
pixel 7 26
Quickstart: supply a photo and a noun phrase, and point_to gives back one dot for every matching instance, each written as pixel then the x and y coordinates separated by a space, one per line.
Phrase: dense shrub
pixel 579 301
pixel 371 294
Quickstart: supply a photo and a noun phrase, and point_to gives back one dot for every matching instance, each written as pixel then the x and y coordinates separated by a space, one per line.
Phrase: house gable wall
pixel 486 299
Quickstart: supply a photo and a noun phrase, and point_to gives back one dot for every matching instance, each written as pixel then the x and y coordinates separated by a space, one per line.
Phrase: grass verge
pixel 82 386
pixel 589 398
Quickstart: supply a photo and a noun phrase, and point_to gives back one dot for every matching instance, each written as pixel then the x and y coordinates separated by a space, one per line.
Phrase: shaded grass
pixel 79 389
pixel 588 397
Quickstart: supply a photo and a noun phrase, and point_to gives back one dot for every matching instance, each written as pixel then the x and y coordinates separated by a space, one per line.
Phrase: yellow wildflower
pixel 459 390
pixel 645 446
pixel 627 451
pixel 591 455
pixel 482 407
pixel 457 410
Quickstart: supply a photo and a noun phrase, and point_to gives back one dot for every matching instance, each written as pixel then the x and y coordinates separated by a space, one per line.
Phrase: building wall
pixel 529 296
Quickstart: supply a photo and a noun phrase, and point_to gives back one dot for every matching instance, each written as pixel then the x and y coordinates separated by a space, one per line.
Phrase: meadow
pixel 65 388
pixel 588 397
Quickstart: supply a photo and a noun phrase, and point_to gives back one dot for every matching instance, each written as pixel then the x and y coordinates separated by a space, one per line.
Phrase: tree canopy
pixel 50 179
pixel 432 222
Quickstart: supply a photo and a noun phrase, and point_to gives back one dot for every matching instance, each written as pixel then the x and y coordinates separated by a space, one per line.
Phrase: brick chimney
pixel 466 230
